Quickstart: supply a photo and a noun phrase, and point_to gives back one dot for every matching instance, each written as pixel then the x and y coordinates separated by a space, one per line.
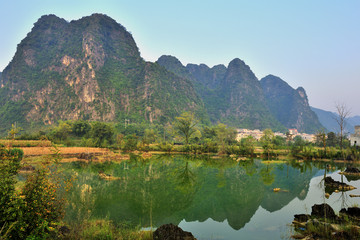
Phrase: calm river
pixel 212 198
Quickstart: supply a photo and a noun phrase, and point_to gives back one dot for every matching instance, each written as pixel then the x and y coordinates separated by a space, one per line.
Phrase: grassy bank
pixel 101 229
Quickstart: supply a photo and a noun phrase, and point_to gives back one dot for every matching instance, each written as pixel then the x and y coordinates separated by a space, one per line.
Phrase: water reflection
pixel 177 189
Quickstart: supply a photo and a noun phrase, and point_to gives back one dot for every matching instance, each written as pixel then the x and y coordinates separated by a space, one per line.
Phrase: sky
pixel 310 43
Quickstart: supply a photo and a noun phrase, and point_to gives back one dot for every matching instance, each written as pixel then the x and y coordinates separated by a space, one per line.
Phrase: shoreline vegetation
pixel 34 156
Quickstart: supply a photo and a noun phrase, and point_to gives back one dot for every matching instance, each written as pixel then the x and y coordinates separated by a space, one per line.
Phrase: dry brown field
pixel 64 151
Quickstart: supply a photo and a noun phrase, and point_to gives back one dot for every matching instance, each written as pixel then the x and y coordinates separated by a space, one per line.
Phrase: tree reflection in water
pixel 267 175
pixel 186 179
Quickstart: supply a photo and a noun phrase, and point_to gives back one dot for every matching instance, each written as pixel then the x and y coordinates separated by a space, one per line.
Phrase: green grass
pixel 104 229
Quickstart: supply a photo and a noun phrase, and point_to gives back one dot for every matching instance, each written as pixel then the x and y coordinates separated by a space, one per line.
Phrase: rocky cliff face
pixel 90 69
pixel 289 106
pixel 231 95
pixel 244 98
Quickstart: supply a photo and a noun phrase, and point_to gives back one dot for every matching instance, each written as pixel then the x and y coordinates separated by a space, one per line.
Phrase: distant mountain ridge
pixel 354 121
pixel 234 93
pixel 91 69
pixel 328 120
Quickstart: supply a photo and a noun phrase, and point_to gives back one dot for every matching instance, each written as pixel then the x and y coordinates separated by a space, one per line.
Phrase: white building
pixel 355 138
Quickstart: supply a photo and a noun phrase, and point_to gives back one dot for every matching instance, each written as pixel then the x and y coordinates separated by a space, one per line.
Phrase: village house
pixel 355 138
pixel 257 134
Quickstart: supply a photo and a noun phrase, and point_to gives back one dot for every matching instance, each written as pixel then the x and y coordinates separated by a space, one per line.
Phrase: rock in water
pixel 323 211
pixel 172 232
pixel 332 184
pixel 352 170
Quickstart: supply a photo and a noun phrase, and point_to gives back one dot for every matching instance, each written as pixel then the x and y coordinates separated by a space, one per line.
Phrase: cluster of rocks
pixel 324 223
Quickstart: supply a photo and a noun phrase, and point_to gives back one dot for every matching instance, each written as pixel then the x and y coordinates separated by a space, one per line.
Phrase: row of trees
pixel 185 132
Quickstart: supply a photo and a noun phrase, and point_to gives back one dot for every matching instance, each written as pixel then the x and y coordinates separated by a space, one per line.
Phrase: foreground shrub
pixel 31 212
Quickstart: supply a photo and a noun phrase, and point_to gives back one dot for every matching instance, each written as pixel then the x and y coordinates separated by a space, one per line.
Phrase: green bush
pixel 131 143
pixel 10 200
pixel 166 147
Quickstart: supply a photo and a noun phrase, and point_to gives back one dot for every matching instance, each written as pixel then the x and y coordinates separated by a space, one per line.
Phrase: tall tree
pixel 321 138
pixel 331 139
pixel 267 141
pixel 62 131
pixel 102 132
pixel 224 135
pixel 14 130
pixel 186 125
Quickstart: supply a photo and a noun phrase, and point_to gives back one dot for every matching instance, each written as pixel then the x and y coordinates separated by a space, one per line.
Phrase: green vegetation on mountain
pixel 289 106
pixel 88 69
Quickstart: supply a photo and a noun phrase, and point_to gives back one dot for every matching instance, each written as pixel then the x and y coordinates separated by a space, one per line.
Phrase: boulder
pixel 353 212
pixel 171 232
pixel 323 211
pixel 342 235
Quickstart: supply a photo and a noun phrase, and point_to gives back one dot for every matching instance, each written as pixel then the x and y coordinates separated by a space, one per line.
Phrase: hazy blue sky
pixel 310 43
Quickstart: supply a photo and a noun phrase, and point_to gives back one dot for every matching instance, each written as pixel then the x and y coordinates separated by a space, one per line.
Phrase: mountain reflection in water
pixel 197 193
